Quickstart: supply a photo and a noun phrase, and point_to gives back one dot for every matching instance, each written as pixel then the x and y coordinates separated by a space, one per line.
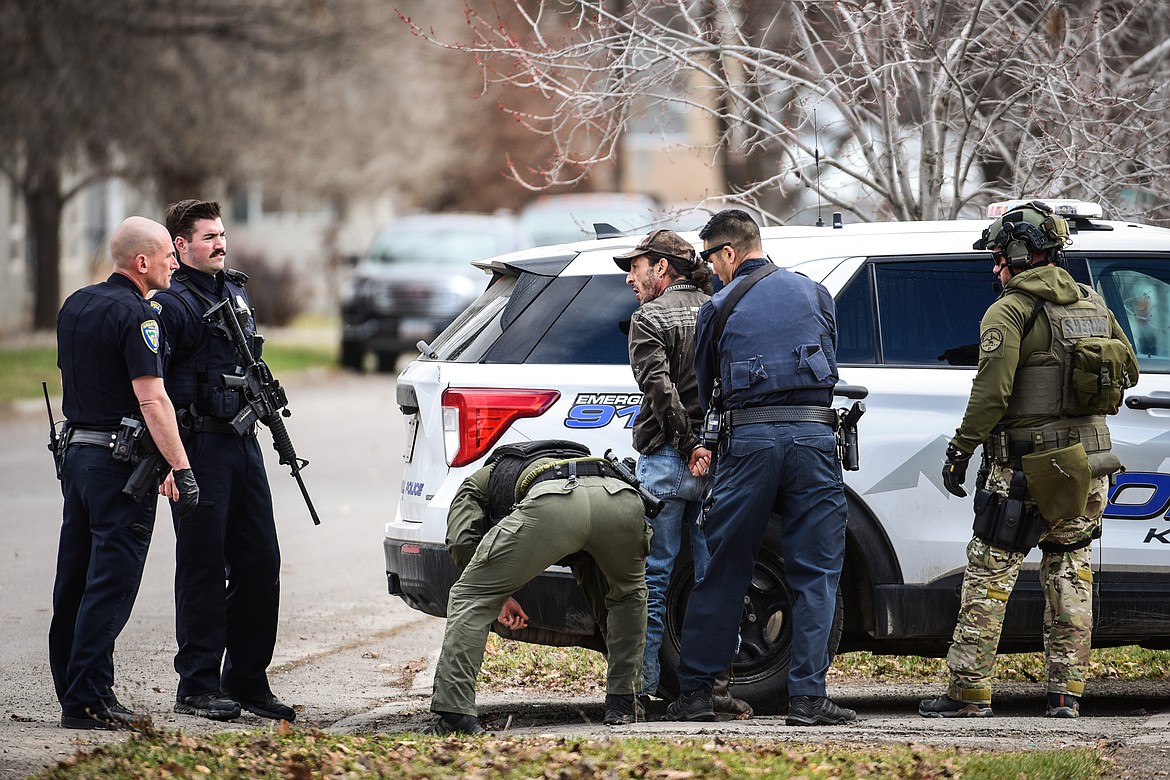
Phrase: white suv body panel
pixel 912 411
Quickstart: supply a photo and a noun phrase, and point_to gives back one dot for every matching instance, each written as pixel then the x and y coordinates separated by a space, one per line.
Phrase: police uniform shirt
pixel 108 334
pixel 199 351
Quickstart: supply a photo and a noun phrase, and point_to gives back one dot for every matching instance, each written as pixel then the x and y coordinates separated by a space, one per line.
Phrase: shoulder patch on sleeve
pixel 156 306
pixel 991 340
pixel 150 334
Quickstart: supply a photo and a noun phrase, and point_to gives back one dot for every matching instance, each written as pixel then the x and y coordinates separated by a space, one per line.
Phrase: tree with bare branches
pixel 904 109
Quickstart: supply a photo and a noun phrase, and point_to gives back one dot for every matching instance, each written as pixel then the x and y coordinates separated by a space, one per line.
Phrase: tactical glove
pixel 188 491
pixel 954 471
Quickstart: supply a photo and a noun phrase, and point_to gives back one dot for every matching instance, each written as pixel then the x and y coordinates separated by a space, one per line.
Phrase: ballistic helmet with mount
pixel 1031 227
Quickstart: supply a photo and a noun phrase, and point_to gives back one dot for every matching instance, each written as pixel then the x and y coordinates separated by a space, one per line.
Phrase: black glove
pixel 188 491
pixel 954 471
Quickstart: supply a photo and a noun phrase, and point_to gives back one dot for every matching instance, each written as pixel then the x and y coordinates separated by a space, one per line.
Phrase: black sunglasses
pixel 705 255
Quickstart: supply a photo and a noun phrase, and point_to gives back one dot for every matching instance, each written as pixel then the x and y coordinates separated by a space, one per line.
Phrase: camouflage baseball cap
pixel 663 243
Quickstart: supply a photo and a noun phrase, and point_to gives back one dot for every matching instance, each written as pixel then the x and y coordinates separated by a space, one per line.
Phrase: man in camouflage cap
pixel 1037 406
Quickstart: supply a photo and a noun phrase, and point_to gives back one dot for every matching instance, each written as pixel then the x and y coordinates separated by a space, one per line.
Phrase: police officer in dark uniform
pixel 111 359
pixel 775 366
pixel 226 632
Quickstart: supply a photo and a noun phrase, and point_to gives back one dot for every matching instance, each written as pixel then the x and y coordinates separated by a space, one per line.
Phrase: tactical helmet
pixel 1031 227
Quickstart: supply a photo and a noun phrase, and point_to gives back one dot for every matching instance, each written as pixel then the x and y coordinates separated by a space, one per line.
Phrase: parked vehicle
pixel 542 354
pixel 560 219
pixel 415 279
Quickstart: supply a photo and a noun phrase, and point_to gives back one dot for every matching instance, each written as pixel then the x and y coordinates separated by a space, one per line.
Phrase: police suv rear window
pixel 537 319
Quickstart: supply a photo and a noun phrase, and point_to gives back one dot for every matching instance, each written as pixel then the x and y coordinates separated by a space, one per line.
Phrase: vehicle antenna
pixel 817 161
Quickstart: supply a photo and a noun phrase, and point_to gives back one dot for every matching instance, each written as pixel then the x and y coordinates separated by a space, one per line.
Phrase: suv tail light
pixel 475 418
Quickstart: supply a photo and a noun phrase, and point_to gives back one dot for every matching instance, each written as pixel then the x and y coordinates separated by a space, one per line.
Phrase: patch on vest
pixel 150 335
pixel 991 340
pixel 1084 327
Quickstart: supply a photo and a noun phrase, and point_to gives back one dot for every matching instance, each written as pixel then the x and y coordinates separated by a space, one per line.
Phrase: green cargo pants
pixel 601 516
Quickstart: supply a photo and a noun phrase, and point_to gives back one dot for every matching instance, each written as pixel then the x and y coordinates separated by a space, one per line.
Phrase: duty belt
pixel 217 425
pixel 763 414
pixel 566 471
pixel 95 438
pixel 1095 438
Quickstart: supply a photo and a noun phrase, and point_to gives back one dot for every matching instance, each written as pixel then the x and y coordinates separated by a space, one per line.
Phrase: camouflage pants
pixel 1067 581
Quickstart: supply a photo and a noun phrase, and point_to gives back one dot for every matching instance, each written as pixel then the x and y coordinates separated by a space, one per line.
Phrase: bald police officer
pixel 110 355
pixel 1047 458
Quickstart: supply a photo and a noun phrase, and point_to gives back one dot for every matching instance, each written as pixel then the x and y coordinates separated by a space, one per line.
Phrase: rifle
pixel 55 441
pixel 265 399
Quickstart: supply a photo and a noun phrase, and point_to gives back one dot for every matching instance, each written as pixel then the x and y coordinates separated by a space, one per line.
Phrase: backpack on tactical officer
pixel 510 461
pixel 513 476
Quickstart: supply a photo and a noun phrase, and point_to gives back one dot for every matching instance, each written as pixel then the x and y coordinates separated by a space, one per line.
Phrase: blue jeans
pixel 791 469
pixel 664 473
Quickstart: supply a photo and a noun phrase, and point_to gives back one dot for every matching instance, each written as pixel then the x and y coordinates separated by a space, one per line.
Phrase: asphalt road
pixel 345 646
pixel 353 659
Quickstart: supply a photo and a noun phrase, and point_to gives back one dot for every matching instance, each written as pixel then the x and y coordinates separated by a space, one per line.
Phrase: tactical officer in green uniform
pixel 1052 363
pixel 554 507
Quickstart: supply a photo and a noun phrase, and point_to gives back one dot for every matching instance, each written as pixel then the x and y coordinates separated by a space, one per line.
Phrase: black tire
pixel 352 355
pixel 760 669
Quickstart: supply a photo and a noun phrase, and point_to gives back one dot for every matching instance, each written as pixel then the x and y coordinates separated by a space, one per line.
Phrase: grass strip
pixel 571 669
pixel 287 752
pixel 23 369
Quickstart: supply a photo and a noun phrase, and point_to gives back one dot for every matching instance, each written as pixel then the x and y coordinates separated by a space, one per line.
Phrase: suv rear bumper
pixel 555 604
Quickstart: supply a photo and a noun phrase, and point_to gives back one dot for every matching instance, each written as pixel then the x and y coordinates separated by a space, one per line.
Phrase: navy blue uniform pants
pixel 227 571
pixel 791 468
pixel 104 538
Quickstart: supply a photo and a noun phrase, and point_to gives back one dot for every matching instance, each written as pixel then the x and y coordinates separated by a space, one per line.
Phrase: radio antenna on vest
pixel 817 162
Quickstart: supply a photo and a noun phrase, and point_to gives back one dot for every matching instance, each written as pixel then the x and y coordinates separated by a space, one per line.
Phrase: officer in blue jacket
pixel 226 632
pixel 774 365
pixel 111 360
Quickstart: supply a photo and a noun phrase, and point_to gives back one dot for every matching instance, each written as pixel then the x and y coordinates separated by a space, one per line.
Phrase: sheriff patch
pixel 991 340
pixel 1084 327
pixel 150 335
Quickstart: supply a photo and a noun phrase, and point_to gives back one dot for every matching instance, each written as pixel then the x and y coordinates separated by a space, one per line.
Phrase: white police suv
pixel 541 354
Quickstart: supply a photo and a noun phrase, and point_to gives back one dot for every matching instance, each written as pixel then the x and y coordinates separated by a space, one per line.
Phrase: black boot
pixel 695 705
pixel 622 710
pixel 723 703
pixel 454 723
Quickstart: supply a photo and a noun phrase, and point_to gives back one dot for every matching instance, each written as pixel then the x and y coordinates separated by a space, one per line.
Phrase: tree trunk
pixel 44 202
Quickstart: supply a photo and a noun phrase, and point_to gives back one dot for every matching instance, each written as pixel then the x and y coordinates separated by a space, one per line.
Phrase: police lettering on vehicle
pixel 597 410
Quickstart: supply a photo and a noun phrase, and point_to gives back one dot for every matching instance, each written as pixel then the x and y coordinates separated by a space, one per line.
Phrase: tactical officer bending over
pixel 511 520
pixel 1052 362
pixel 226 632
pixel 111 361
pixel 773 359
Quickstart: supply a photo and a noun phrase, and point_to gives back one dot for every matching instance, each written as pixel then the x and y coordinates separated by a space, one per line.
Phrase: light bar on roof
pixel 1063 207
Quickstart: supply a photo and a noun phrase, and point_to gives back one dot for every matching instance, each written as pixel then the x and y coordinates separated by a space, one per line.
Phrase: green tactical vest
pixel 1044 384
